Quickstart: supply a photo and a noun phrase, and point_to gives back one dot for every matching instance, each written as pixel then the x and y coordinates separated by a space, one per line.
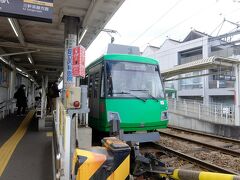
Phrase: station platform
pixel 25 153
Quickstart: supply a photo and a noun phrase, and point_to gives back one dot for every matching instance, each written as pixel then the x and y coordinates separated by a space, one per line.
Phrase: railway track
pixel 193 160
pixel 205 134
pixel 211 152
pixel 213 147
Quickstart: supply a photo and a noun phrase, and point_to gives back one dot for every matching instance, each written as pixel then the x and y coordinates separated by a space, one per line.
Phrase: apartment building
pixel 218 86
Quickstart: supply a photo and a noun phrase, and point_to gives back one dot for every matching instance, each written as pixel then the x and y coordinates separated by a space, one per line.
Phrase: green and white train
pixel 127 88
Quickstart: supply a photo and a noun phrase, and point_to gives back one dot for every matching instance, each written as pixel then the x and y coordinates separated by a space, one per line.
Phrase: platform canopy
pixel 45 41
pixel 198 65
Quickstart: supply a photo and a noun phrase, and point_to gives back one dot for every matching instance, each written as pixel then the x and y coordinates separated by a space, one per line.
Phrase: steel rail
pixel 196 161
pixel 221 149
pixel 205 134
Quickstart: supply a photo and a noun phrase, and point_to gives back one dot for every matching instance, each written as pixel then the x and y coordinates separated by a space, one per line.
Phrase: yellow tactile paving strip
pixel 7 149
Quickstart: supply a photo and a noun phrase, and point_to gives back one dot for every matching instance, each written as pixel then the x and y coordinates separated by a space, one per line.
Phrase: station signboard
pixel 37 10
pixel 78 61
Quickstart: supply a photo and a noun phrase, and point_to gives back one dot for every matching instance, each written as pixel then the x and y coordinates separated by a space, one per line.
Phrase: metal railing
pixel 212 112
pixel 7 107
pixel 61 142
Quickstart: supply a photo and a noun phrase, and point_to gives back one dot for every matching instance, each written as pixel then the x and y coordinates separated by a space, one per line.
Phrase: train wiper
pixel 147 91
pixel 123 92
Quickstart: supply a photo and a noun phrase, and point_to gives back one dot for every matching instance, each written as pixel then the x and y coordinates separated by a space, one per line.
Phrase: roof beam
pixel 17 53
pixel 37 66
pixel 200 75
pixel 198 65
pixel 41 47
pixel 225 35
pixel 16 27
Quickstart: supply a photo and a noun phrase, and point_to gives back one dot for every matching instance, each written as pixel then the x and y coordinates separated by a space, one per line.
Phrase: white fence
pixel 217 113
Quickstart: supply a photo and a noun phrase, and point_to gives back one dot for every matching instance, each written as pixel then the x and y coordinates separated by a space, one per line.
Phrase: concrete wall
pixel 204 126
pixel 3 94
pixel 4 90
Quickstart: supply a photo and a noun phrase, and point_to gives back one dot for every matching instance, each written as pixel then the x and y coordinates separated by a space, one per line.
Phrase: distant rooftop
pixel 174 40
pixel 155 47
pixel 194 34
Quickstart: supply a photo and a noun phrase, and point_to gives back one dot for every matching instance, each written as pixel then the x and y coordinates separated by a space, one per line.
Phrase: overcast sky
pixel 143 22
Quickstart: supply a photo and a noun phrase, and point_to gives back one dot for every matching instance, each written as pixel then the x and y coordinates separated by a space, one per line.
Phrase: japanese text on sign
pixel 38 10
pixel 69 66
pixel 78 61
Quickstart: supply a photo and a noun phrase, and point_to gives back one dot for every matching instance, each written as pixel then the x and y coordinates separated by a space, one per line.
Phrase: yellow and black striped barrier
pixel 180 174
pixel 111 162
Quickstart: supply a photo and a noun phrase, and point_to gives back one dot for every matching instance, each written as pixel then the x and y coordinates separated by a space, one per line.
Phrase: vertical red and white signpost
pixel 78 61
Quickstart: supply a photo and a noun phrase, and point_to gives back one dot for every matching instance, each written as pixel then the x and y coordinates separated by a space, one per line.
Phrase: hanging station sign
pixel 75 65
pixel 78 61
pixel 37 10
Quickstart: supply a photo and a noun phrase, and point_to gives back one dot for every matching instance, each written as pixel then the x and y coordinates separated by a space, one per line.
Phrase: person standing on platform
pixel 20 95
pixel 55 94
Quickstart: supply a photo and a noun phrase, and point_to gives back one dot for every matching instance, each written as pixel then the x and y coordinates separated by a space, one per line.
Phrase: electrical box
pixel 73 97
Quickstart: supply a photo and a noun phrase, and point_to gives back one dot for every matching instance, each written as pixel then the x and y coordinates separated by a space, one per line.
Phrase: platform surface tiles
pixel 25 153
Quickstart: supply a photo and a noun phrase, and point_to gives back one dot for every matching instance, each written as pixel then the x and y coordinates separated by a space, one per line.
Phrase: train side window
pixel 102 84
pixel 90 86
pixel 96 85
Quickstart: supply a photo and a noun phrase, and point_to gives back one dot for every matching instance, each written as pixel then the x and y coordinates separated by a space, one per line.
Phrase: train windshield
pixel 135 80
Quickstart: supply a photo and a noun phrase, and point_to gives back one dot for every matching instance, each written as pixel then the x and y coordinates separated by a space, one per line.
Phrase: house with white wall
pixel 197 45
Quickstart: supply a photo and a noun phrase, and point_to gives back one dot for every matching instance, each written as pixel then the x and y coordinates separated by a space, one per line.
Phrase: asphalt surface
pixel 32 158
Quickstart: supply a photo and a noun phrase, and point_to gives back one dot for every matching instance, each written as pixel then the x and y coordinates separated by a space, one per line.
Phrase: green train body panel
pixel 123 57
pixel 135 115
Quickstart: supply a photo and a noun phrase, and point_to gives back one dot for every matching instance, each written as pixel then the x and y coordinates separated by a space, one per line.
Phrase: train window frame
pixel 114 60
pixel 97 68
pixel 96 85
pixel 102 85
pixel 90 86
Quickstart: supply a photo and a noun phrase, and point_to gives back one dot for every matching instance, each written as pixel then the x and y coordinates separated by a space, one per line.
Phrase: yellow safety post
pixel 180 174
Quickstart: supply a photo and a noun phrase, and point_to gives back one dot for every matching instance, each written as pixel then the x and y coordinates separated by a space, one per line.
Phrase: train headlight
pixel 113 116
pixel 164 115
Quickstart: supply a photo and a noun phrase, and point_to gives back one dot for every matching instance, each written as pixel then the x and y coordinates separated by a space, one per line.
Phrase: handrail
pixel 57 154
pixel 4 105
pixel 7 101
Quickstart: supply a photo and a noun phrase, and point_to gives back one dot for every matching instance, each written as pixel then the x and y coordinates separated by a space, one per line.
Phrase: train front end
pixel 134 95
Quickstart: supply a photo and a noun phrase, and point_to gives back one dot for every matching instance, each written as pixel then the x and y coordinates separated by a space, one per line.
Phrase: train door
pixel 94 90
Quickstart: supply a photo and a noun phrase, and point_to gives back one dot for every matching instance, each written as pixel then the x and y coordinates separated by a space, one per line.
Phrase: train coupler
pixel 148 164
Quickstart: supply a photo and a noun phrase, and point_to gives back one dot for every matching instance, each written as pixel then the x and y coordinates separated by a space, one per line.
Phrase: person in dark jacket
pixel 54 93
pixel 20 95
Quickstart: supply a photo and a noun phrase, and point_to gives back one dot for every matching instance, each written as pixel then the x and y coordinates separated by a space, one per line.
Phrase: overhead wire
pixel 181 22
pixel 186 19
pixel 178 24
pixel 159 19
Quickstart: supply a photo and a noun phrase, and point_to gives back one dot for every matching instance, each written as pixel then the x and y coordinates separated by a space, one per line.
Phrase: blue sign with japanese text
pixel 69 66
pixel 37 10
